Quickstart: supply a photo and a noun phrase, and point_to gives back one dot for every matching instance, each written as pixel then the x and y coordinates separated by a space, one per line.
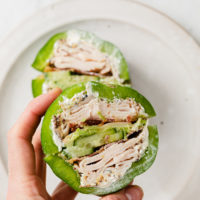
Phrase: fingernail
pixel 134 193
pixel 55 90
pixel 128 196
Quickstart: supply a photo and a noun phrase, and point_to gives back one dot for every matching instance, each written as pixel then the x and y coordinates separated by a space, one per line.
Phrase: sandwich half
pixel 77 56
pixel 97 138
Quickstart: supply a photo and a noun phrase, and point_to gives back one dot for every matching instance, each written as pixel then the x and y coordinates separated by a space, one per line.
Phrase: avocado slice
pixel 83 142
pixel 63 80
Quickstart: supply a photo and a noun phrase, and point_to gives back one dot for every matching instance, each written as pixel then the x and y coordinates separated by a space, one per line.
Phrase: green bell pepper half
pixel 65 170
pixel 110 49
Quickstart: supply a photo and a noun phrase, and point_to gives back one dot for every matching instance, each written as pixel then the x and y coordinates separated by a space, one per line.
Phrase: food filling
pixel 63 80
pixel 100 138
pixel 112 162
pixel 80 56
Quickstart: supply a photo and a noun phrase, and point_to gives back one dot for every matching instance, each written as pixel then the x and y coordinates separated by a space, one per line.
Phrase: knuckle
pixel 38 147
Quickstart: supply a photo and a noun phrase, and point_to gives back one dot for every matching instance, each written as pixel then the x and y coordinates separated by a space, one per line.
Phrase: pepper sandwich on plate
pixel 97 137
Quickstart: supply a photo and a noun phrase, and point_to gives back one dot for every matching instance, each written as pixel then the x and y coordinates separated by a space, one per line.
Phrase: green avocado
pixel 37 85
pixel 87 137
pixel 61 79
pixel 83 142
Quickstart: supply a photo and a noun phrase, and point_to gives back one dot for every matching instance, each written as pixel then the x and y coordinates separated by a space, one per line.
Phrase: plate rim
pixel 37 17
pixel 23 28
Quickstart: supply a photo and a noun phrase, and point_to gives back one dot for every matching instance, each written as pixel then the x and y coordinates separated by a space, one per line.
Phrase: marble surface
pixel 184 12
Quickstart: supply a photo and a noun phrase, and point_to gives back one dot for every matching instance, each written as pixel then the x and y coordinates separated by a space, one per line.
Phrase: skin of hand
pixel 27 169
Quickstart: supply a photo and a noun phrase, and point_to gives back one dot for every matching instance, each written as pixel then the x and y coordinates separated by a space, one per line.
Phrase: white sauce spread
pixel 46 88
pixel 57 140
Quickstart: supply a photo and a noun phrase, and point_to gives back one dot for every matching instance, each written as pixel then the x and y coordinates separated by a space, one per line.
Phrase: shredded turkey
pixel 80 57
pixel 100 109
pixel 111 164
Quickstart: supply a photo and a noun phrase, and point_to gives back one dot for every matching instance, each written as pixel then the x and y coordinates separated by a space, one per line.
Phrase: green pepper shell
pixel 64 170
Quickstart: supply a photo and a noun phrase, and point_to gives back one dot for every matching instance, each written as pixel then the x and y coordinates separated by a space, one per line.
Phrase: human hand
pixel 27 169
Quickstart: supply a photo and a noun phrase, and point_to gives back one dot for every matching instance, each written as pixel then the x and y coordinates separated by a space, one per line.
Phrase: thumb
pixel 63 192
pixel 132 192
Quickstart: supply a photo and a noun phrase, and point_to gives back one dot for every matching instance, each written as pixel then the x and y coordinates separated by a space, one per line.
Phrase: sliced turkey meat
pixel 111 163
pixel 84 109
pixel 92 108
pixel 80 57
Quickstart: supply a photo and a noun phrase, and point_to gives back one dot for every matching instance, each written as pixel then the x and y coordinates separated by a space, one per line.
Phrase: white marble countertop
pixel 184 12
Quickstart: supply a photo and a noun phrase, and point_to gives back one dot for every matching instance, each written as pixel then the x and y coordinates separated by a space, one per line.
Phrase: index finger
pixel 21 158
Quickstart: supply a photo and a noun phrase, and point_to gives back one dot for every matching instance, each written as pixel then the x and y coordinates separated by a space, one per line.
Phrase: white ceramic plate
pixel 164 63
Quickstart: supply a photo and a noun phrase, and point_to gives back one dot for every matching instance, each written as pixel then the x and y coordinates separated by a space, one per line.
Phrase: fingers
pixel 40 165
pixel 132 192
pixel 21 157
pixel 116 196
pixel 63 192
pixel 30 118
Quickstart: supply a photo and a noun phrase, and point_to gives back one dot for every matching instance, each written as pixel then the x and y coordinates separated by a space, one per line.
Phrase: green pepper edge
pixel 66 172
pixel 46 51
pixel 37 85
pixel 122 92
